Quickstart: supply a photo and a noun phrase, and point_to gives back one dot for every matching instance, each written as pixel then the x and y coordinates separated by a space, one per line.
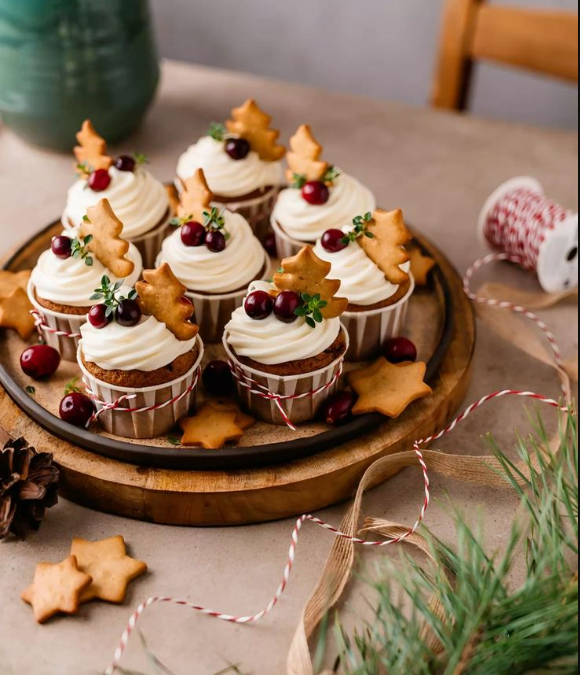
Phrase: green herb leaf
pixel 298 181
pixel 174 440
pixel 331 175
pixel 30 390
pixel 71 387
pixel 310 321
pixel 141 158
pixel 217 131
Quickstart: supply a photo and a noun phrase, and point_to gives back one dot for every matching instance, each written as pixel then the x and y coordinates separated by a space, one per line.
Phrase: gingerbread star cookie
pixel 388 388
pixel 385 245
pixel 91 153
pixel 253 124
pixel 162 295
pixel 111 569
pixel 15 313
pixel 421 266
pixel 105 230
pixel 10 281
pixel 242 420
pixel 57 589
pixel 304 159
pixel 196 198
pixel 212 428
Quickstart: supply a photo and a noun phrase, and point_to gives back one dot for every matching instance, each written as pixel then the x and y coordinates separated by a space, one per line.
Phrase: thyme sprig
pixel 72 387
pixel 108 294
pixel 79 249
pixel 214 221
pixel 217 131
pixel 299 180
pixel 361 225
pixel 312 308
pixel 141 158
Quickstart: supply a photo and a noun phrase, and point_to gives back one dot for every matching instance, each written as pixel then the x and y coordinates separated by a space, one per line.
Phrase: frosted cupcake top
pixel 239 158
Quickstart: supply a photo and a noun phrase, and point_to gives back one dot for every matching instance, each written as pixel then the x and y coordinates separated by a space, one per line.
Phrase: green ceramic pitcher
pixel 62 61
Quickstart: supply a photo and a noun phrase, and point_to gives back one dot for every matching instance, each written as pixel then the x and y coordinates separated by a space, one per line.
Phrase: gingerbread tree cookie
pixel 306 274
pixel 104 230
pixel 386 237
pixel 253 124
pixel 304 160
pixel 196 198
pixel 91 153
pixel 162 295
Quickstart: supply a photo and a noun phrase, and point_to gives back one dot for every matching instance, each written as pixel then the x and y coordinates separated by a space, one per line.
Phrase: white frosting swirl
pixel 203 271
pixel 71 282
pixel 147 346
pixel 273 342
pixel 138 199
pixel 306 222
pixel 362 282
pixel 225 176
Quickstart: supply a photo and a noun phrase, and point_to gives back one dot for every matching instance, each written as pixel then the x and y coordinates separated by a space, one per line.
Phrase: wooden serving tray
pixel 275 472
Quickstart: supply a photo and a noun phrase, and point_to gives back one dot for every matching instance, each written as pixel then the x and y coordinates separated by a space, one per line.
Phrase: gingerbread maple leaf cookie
pixel 196 198
pixel 212 428
pixel 304 159
pixel 91 153
pixel 306 274
pixel 162 295
pixel 384 244
pixel 104 230
pixel 15 313
pixel 253 124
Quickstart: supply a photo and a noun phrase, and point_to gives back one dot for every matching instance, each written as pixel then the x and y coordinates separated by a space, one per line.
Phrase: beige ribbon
pixel 482 471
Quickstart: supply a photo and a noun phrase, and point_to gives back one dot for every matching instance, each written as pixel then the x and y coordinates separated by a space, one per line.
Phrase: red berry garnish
pixel 40 362
pixel 238 148
pixel 126 163
pixel 217 378
pixel 316 193
pixel 333 241
pixel 193 234
pixel 259 305
pixel 400 350
pixel 338 409
pixel 271 245
pixel 286 305
pixel 215 241
pixel 128 313
pixel 98 317
pixel 77 409
pixel 99 180
pixel 62 247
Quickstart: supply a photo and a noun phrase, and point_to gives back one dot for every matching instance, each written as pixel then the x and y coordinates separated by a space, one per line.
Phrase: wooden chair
pixel 541 41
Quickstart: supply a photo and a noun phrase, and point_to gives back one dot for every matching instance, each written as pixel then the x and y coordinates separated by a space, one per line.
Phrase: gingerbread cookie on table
pixel 320 196
pixel 141 341
pixel 288 339
pixel 215 254
pixel 370 258
pixel 15 307
pixel 242 161
pixel 66 275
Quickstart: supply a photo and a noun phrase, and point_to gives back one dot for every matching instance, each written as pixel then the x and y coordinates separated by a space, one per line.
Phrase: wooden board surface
pixel 211 498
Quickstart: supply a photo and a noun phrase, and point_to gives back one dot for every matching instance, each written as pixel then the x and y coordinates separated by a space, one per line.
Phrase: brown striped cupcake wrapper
pixel 153 412
pixel 369 331
pixel 287 246
pixel 61 331
pixel 300 396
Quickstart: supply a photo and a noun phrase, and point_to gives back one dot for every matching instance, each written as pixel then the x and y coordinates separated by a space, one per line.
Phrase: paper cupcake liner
pixel 301 407
pixel 213 312
pixel 149 244
pixel 287 247
pixel 61 331
pixel 158 419
pixel 369 331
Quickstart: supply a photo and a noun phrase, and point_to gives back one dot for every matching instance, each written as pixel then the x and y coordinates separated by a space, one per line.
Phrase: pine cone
pixel 28 487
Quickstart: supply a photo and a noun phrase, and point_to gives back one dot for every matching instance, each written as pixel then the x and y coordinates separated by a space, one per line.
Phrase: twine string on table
pixel 42 327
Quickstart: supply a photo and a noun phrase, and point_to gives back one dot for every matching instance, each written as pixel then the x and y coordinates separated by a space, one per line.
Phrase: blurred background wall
pixel 380 48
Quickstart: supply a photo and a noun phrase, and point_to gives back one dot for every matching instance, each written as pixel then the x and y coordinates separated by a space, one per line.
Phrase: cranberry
pixel 77 409
pixel 215 241
pixel 333 241
pixel 316 193
pixel 193 234
pixel 40 362
pixel 62 247
pixel 338 409
pixel 128 313
pixel 286 305
pixel 238 148
pixel 99 180
pixel 399 350
pixel 259 305
pixel 271 245
pixel 217 378
pixel 126 163
pixel 98 317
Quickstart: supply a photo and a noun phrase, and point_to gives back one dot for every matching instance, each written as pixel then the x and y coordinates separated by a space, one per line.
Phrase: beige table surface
pixel 439 168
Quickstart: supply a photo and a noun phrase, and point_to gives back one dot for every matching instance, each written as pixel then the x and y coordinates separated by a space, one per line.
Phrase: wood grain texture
pixel 249 496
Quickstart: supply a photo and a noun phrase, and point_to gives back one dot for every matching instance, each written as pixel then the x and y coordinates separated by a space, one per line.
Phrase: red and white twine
pixel 42 327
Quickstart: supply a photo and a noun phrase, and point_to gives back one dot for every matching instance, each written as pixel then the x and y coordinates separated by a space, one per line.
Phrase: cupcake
pixel 286 345
pixel 65 277
pixel 370 260
pixel 215 255
pixel 320 197
pixel 139 200
pixel 140 356
pixel 243 165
